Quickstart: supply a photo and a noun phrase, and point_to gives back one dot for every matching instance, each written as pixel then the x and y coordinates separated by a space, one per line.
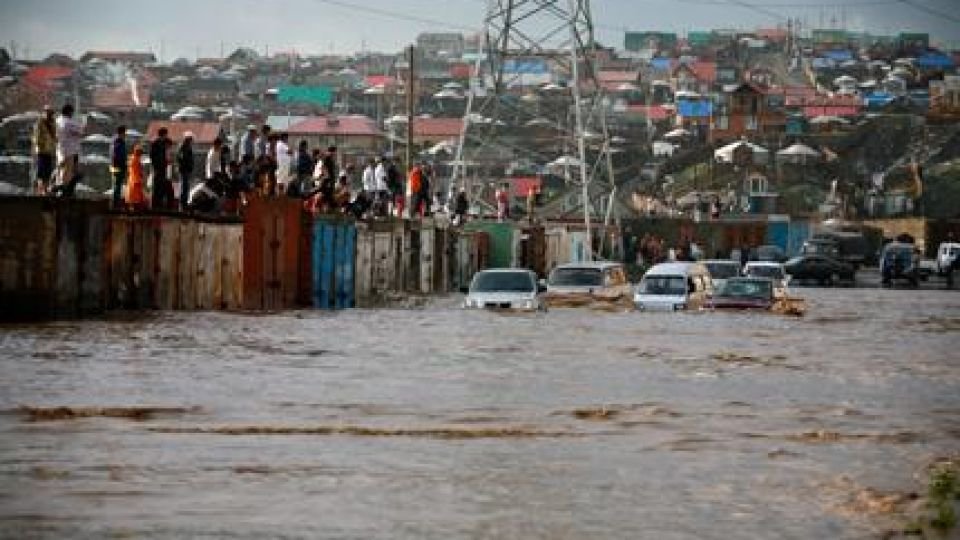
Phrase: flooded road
pixel 439 423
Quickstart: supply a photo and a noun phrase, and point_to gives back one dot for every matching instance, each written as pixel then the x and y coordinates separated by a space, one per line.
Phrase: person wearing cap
pixel 45 148
pixel 185 162
pixel 118 165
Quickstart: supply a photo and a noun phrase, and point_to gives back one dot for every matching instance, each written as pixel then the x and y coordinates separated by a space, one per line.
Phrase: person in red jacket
pixel 414 186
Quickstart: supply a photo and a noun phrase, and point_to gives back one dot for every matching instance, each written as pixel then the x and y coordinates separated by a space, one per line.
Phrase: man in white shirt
pixel 69 132
pixel 369 181
pixel 284 160
pixel 381 187
pixel 214 158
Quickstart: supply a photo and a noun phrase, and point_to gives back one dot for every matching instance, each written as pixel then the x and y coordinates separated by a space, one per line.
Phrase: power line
pixel 859 3
pixel 930 11
pixel 398 15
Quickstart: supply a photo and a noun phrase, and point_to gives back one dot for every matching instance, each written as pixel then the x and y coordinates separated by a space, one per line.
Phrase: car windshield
pixel 722 270
pixel 740 288
pixel 503 282
pixel 664 285
pixel 576 277
pixel 773 272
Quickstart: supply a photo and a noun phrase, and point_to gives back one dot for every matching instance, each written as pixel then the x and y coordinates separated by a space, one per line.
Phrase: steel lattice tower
pixel 504 106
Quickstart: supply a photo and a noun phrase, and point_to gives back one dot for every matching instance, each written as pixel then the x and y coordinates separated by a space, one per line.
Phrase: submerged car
pixel 674 287
pixel 721 270
pixel 824 270
pixel 604 280
pixel 507 288
pixel 745 293
pixel 771 270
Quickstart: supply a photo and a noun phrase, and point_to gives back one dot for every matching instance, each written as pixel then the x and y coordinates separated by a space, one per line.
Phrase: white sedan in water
pixel 504 288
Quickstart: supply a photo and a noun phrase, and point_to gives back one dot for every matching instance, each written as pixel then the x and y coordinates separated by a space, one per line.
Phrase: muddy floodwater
pixel 441 423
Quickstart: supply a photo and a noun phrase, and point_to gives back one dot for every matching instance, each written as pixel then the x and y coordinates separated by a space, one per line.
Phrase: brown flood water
pixel 440 423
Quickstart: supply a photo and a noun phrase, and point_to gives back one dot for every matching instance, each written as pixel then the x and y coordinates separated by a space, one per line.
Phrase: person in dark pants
pixel 185 164
pixel 461 206
pixel 118 165
pixel 304 167
pixel 426 198
pixel 45 148
pixel 161 195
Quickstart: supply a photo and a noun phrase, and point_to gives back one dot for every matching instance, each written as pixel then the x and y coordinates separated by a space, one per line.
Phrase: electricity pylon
pixel 536 67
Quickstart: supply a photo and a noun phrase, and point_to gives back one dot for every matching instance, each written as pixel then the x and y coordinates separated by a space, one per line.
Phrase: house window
pixel 751 124
pixel 723 122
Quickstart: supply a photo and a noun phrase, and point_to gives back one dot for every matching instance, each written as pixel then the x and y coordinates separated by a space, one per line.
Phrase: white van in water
pixel 673 287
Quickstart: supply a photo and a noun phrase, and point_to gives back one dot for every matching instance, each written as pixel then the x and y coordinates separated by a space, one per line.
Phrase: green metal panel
pixel 501 241
pixel 319 95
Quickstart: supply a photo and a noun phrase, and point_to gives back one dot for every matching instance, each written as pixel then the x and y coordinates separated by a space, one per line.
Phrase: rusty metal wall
pixel 271 254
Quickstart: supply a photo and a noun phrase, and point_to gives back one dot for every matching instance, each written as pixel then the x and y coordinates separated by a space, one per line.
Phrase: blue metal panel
pixel 327 267
pixel 778 234
pixel 323 234
pixel 316 256
pixel 695 108
pixel 799 233
pixel 339 261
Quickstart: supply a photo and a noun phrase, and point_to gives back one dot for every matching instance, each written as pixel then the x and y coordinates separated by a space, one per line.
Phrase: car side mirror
pixel 465 290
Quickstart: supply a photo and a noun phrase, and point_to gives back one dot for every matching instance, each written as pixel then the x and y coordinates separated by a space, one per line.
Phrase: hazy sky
pixel 188 27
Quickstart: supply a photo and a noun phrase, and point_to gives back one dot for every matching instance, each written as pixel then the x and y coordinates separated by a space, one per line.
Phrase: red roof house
pixel 121 98
pixel 431 130
pixel 350 133
pixel 203 132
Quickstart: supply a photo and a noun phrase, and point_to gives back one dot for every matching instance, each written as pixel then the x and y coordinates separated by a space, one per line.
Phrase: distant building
pixel 429 131
pixel 745 112
pixel 204 133
pixel 351 134
pixel 120 57
pixel 695 76
pixel 208 92
pixel 447 44
pixel 123 98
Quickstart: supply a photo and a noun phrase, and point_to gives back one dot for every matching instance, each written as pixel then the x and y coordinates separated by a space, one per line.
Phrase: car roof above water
pixel 676 269
pixel 592 265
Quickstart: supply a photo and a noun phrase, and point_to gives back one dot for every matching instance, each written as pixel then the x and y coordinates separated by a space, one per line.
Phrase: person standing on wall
pixel 45 148
pixel 118 166
pixel 185 162
pixel 161 194
pixel 69 132
pixel 414 185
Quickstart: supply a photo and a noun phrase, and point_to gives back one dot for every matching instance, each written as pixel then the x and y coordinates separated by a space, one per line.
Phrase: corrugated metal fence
pixel 74 258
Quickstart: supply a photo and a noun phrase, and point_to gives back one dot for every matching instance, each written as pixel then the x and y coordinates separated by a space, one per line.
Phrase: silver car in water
pixel 504 288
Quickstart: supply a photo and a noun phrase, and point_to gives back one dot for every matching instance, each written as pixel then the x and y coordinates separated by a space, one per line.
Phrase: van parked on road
pixel 674 287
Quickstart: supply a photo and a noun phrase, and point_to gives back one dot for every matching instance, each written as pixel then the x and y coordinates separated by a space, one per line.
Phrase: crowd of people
pixel 262 164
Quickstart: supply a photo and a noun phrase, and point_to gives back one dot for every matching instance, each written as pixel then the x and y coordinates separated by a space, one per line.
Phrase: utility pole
pixel 411 104
pixel 579 135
